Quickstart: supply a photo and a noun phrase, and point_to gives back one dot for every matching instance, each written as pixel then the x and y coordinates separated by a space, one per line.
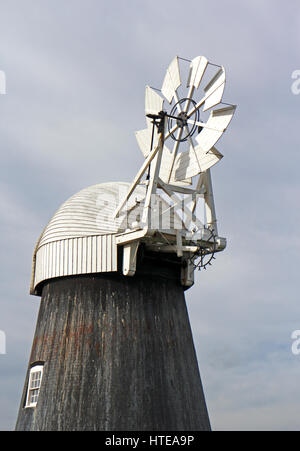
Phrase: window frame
pixel 34 385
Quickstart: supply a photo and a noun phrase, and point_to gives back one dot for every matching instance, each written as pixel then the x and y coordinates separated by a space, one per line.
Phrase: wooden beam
pixel 137 178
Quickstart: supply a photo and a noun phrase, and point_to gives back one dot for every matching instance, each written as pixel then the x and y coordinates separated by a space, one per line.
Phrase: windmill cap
pixel 80 237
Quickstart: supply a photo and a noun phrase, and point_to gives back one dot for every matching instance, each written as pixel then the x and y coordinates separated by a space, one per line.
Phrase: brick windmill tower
pixel 113 348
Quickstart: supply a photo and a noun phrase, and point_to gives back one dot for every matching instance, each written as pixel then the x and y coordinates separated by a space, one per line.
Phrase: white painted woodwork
pixel 82 255
pixel 81 236
pixel 153 101
pixel 132 235
pixel 143 138
pixel 197 69
pixel 218 121
pixel 211 219
pixel 180 206
pixel 34 385
pixel 214 90
pixel 172 80
pixel 129 258
pixel 181 189
pixel 166 162
pixel 152 185
pixel 137 179
pixel 84 234
pixel 169 248
pixel 186 164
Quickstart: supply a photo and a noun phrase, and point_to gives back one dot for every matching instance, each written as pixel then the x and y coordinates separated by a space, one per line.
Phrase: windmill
pixel 179 151
pixel 113 348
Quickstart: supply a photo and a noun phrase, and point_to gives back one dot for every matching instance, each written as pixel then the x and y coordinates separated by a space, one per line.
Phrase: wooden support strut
pixel 129 258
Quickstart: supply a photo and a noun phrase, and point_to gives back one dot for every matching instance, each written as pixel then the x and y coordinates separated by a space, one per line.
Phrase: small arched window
pixel 34 384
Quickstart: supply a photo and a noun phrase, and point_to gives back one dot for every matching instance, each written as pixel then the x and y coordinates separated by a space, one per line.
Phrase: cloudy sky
pixel 76 72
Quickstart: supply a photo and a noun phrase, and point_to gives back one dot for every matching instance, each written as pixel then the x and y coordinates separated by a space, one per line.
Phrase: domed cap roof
pixel 80 237
pixel 90 212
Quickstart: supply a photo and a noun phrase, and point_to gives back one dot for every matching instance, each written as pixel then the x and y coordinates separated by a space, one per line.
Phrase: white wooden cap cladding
pixel 80 237
pixel 74 256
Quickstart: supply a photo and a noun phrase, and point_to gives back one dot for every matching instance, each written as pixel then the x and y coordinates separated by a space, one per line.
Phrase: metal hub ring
pixel 181 120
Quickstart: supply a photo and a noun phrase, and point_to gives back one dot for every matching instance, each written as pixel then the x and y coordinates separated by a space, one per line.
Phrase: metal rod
pixel 151 147
pixel 184 59
pixel 216 65
pixel 174 117
pixel 156 89
pixel 230 104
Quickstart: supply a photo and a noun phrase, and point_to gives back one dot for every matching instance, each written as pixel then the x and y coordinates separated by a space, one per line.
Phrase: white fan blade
pixel 166 162
pixel 202 124
pixel 144 138
pixel 186 164
pixel 214 90
pixel 172 80
pixel 217 123
pixel 208 159
pixel 197 69
pixel 192 148
pixel 174 153
pixel 153 101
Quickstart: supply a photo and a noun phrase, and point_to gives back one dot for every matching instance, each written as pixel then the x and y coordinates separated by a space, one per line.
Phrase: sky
pixel 76 72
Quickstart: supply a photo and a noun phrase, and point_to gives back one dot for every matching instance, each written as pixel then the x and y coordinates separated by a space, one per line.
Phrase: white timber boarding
pixel 80 237
pixel 83 235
